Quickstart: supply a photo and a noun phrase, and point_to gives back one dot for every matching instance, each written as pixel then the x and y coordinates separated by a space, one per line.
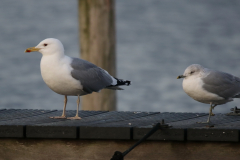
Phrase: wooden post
pixel 97 41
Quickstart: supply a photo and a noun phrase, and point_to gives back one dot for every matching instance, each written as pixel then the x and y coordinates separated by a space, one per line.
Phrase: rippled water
pixel 156 41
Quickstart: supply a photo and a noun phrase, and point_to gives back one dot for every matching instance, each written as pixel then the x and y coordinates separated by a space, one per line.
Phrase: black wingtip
pixel 128 82
pixel 121 82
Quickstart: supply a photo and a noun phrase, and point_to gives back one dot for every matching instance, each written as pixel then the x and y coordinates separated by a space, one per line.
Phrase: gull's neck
pixel 50 60
pixel 56 56
pixel 53 65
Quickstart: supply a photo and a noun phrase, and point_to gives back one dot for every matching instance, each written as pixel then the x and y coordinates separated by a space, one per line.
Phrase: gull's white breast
pixel 56 73
pixel 193 87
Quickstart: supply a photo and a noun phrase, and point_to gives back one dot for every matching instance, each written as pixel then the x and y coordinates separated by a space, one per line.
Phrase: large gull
pixel 210 86
pixel 71 76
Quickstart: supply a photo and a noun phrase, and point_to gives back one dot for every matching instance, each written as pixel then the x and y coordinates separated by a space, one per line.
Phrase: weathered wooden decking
pixel 115 125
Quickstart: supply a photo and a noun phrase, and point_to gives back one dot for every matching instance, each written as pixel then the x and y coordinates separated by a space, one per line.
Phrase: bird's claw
pixel 76 117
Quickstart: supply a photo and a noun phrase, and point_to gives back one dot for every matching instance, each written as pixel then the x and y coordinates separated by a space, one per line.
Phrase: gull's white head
pixel 192 70
pixel 48 46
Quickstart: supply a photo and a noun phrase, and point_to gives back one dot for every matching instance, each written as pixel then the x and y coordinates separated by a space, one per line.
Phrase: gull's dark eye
pixel 45 44
pixel 191 72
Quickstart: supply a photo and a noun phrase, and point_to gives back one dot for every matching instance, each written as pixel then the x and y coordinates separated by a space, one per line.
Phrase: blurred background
pixel 156 41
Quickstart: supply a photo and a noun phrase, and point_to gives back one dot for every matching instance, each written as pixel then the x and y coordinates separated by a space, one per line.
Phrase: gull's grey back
pixel 91 77
pixel 222 84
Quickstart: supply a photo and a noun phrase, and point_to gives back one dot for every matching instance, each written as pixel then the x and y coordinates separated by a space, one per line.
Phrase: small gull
pixel 210 86
pixel 71 76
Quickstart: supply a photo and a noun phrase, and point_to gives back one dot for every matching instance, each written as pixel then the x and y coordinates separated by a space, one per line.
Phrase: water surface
pixel 156 41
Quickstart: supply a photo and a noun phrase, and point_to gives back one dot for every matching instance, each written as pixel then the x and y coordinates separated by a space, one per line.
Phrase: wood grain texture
pixel 59 149
pixel 97 41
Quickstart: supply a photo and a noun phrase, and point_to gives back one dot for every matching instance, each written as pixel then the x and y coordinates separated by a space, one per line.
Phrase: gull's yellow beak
pixel 32 49
pixel 181 76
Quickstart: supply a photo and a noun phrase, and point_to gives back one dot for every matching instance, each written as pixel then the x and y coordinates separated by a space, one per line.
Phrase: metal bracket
pixel 164 125
pixel 236 112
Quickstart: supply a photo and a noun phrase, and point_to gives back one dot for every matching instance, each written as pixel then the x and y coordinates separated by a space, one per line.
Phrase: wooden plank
pixel 220 135
pixel 122 133
pixel 165 134
pixel 66 149
pixel 117 125
pixel 51 132
pixel 11 131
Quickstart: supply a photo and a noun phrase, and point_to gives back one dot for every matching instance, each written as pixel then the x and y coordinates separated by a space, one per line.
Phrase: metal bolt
pixel 162 121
